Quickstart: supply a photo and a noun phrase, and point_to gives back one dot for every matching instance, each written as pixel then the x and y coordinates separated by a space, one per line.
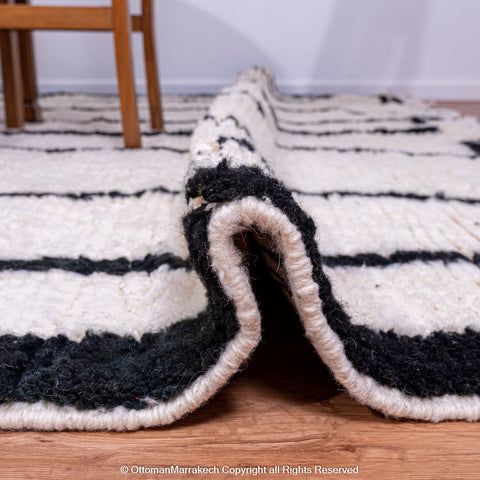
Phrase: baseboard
pixel 448 90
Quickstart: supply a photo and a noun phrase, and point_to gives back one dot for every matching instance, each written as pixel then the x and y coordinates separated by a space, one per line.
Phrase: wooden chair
pixel 17 18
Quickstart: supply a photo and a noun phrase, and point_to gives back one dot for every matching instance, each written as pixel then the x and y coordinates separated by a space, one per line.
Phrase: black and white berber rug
pixel 126 301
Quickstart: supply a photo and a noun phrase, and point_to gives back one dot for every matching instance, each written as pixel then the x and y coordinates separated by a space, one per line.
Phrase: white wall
pixel 427 48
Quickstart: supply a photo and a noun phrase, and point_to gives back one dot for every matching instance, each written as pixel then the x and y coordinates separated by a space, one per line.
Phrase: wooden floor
pixel 282 409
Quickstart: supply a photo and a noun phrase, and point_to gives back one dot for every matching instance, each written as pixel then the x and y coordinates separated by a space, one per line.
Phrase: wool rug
pixel 125 293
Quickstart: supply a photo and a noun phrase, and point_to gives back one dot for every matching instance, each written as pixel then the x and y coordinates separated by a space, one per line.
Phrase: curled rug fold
pixel 126 306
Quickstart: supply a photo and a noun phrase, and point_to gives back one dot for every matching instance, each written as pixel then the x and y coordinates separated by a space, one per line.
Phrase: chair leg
pixel 126 88
pixel 31 108
pixel 153 86
pixel 12 78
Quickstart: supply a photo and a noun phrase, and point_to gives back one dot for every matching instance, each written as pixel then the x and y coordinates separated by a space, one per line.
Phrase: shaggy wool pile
pixel 126 301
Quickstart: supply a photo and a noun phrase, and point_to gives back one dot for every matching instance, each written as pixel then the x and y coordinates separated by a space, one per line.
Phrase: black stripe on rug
pixel 390 194
pixel 91 195
pixel 329 148
pixel 399 257
pixel 87 266
pixel 226 119
pixel 375 260
pixel 181 133
pixel 167 108
pixel 240 141
pixel 354 131
pixel 89 149
pixel 474 146
pixel 389 99
pixel 314 110
pixel 104 370
pixel 438 364
pixel 117 121
pixel 416 120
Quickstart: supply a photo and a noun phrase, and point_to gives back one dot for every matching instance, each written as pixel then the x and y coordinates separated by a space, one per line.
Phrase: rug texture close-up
pixel 125 286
